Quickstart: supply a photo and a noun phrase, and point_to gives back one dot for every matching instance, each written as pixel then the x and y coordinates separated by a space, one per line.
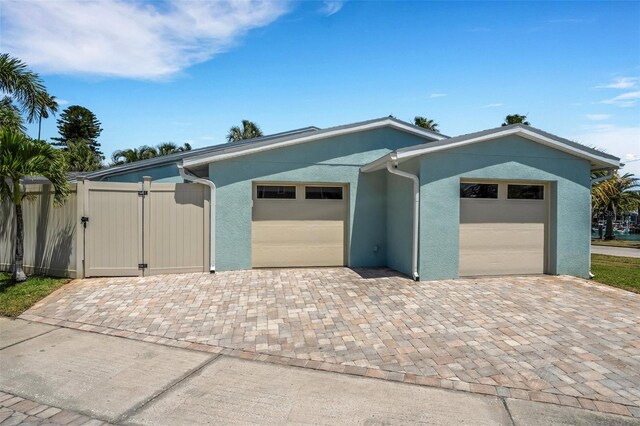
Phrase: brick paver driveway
pixel 556 339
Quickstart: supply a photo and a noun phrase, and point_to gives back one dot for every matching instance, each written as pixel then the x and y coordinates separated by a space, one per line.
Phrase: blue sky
pixel 187 71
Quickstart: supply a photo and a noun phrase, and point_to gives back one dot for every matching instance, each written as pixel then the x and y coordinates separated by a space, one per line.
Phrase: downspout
pixel 594 182
pixel 212 213
pixel 392 167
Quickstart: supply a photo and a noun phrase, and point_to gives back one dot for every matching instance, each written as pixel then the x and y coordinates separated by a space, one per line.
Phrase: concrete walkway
pixel 616 251
pixel 91 378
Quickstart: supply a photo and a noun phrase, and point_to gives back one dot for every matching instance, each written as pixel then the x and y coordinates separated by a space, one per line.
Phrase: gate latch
pixel 142 193
pixel 142 266
pixel 84 220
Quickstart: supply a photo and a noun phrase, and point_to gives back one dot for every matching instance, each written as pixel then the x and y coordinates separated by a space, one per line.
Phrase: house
pixel 509 200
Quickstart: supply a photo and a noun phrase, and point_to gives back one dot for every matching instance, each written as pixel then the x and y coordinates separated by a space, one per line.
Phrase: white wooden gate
pixel 140 229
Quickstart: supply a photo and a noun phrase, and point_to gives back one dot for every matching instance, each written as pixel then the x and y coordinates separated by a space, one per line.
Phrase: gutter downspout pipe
pixel 212 213
pixel 392 167
pixel 594 182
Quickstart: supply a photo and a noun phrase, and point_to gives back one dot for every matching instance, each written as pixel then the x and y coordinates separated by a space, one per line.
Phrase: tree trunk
pixel 18 273
pixel 608 234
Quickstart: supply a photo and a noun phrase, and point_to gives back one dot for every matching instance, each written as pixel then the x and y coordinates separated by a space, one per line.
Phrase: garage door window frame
pixel 258 193
pixel 542 187
pixel 339 187
pixel 497 185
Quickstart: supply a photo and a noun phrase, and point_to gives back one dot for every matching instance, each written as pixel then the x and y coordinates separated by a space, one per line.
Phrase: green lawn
pixel 622 272
pixel 616 243
pixel 16 298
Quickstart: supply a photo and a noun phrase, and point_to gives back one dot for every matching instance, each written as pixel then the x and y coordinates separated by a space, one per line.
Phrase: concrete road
pixel 616 251
pixel 130 382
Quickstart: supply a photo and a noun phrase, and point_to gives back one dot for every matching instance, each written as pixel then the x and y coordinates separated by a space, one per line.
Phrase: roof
pixel 41 180
pixel 174 158
pixel 598 159
pixel 278 141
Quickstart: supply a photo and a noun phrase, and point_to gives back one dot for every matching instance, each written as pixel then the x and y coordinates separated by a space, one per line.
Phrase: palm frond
pixel 20 157
pixel 25 86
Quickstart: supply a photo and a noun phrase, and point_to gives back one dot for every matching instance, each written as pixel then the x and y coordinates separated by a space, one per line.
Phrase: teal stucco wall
pixel 510 158
pixel 167 173
pixel 336 160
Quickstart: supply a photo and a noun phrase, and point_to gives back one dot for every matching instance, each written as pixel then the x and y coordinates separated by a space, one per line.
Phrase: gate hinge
pixel 142 266
pixel 84 220
pixel 142 193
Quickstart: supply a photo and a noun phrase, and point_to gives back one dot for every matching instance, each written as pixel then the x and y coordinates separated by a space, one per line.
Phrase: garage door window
pixel 478 190
pixel 525 192
pixel 323 193
pixel 277 192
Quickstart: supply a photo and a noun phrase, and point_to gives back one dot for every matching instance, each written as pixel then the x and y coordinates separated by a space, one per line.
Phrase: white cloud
pixel 437 95
pixel 623 142
pixel 598 127
pixel 330 7
pixel 128 39
pixel 491 106
pixel 62 102
pixel 625 100
pixel 620 83
pixel 598 117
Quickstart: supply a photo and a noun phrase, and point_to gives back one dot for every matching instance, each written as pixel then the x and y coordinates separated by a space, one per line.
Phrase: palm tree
pixel 10 118
pixel 133 154
pixel 80 157
pixel 425 123
pixel 249 130
pixel 145 152
pixel 515 119
pixel 167 148
pixel 24 86
pixel 20 157
pixel 613 196
pixel 51 107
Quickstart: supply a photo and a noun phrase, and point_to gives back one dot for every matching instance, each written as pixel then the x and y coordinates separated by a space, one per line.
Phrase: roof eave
pixel 405 154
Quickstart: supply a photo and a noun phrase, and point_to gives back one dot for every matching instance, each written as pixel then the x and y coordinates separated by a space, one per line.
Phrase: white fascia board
pixel 225 155
pixel 536 137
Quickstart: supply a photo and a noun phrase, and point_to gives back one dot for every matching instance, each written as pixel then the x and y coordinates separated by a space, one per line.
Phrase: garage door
pixel 502 228
pixel 298 225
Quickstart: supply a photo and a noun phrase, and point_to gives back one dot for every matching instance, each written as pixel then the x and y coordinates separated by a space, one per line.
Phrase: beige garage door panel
pixel 501 248
pixel 509 236
pixel 502 211
pixel 298 243
pixel 299 210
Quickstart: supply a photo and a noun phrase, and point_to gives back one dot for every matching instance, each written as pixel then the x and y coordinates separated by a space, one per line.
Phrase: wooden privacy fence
pixel 112 229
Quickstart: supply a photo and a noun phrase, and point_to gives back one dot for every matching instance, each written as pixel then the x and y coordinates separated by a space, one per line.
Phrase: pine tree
pixel 77 123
